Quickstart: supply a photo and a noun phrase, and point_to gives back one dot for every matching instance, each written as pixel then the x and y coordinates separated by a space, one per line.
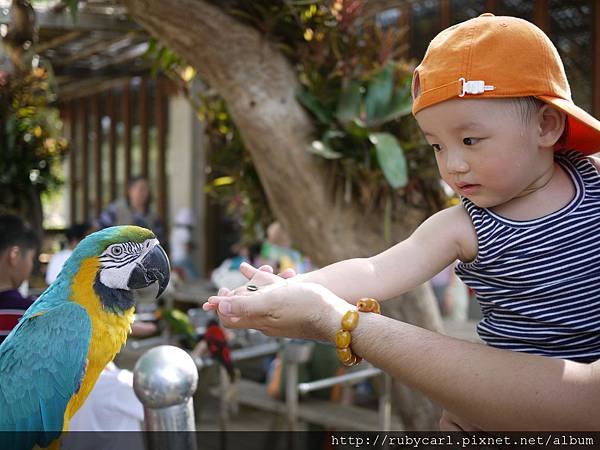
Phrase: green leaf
pixel 348 107
pixel 313 104
pixel 379 94
pixel 399 106
pixel 357 128
pixel 391 159
pixel 323 150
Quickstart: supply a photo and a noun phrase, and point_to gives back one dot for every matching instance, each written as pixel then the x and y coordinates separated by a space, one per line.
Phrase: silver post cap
pixel 164 376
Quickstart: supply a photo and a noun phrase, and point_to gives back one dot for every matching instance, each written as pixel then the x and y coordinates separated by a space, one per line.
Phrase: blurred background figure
pixel 18 246
pixel 451 294
pixel 135 209
pixel 277 251
pixel 112 404
pixel 74 234
pixel 228 273
pixel 182 245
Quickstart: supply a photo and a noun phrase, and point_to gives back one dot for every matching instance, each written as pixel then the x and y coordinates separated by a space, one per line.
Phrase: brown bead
pixel 368 305
pixel 350 320
pixel 356 360
pixel 344 355
pixel 342 339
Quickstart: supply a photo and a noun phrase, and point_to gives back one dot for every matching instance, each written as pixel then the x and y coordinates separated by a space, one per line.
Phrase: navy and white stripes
pixel 538 281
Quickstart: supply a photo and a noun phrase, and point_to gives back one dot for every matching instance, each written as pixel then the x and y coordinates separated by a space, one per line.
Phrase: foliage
pixel 358 91
pixel 29 137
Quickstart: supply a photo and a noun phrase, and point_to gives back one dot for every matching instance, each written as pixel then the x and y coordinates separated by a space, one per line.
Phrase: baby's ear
pixel 551 125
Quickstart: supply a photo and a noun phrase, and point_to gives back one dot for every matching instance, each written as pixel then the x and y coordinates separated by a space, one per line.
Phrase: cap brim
pixel 584 129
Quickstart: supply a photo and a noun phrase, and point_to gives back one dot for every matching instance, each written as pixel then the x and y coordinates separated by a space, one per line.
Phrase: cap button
pixel 487 15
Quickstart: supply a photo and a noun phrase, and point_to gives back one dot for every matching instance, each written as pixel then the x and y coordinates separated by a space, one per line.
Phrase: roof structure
pixel 98 47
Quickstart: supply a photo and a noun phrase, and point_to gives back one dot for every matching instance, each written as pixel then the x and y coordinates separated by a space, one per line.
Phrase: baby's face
pixel 484 149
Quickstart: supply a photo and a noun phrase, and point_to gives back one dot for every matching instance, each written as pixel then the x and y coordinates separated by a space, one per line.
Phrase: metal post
pixel 165 379
pixel 294 353
pixel 385 404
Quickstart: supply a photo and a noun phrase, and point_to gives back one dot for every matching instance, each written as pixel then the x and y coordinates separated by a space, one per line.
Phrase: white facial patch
pixel 119 260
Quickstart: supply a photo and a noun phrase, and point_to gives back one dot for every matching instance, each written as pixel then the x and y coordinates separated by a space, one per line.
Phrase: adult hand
pixel 262 276
pixel 298 310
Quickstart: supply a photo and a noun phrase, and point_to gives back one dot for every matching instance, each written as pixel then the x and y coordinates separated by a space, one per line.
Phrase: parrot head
pixel 125 258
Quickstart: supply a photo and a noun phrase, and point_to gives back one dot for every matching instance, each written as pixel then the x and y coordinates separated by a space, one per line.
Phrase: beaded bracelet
pixel 343 337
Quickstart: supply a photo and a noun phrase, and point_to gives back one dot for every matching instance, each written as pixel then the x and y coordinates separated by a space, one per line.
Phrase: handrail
pixel 241 354
pixel 356 375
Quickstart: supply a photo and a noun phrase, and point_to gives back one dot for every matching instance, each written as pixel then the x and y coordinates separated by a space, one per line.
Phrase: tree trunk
pixel 259 87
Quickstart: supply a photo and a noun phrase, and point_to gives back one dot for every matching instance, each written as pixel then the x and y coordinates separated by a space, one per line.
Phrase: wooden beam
pixel 84 21
pixel 72 88
pixel 112 146
pixel 541 15
pixel 72 136
pixel 160 113
pixel 85 191
pixel 126 117
pixel 132 52
pixel 445 13
pixel 97 149
pixel 596 62
pixel 57 41
pixel 98 47
pixel 144 124
pixel 404 24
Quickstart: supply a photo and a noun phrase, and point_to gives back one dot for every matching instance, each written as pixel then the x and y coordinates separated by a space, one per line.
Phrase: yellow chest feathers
pixel 109 330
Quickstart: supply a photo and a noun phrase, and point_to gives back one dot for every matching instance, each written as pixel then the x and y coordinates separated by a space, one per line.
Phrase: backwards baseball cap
pixel 497 57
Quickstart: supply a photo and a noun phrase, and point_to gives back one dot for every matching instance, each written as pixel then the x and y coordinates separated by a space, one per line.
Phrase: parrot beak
pixel 154 267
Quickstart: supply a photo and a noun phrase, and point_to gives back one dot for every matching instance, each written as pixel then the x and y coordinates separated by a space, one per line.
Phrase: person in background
pixel 134 209
pixel 18 246
pixel 75 233
pixel 111 406
pixel 228 273
pixel 277 251
pixel 181 242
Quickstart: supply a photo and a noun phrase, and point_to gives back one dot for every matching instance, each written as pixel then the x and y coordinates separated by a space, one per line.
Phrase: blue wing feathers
pixel 41 365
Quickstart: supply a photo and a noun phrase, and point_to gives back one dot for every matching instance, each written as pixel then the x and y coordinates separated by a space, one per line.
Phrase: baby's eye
pixel 436 147
pixel 470 141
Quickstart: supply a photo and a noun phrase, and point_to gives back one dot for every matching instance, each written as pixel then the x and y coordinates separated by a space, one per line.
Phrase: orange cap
pixel 499 56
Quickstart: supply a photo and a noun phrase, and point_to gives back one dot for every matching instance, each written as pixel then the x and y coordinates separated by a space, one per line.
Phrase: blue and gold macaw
pixel 53 357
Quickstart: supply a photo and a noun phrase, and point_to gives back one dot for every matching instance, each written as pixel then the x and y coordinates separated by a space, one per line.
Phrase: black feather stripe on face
pixel 115 300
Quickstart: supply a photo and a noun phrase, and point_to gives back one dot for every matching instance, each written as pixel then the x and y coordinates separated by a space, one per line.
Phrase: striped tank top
pixel 538 281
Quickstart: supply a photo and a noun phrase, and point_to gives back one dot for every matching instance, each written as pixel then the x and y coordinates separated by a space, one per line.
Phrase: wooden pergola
pixel 105 92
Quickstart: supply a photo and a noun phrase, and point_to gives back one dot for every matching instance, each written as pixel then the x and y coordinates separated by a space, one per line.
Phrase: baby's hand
pixel 257 278
pixel 249 271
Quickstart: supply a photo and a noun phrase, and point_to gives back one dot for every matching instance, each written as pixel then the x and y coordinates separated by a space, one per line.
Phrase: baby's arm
pixel 436 243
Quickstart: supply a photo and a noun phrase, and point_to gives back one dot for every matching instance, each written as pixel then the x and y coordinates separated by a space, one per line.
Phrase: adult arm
pixel 491 389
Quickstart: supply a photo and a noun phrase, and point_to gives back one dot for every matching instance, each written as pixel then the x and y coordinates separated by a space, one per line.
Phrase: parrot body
pixel 51 360
pixel 215 339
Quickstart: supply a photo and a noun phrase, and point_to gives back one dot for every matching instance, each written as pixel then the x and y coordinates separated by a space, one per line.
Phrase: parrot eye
pixel 116 251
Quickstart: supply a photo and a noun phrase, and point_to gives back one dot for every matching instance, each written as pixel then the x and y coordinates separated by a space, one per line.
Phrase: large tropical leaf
pixel 379 94
pixel 323 147
pixel 391 158
pixel 348 107
pixel 313 104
